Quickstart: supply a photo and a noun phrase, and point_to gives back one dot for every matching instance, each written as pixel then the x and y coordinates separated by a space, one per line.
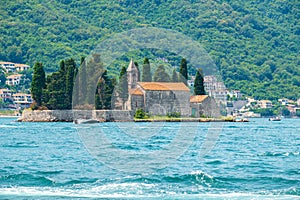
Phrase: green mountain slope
pixel 255 44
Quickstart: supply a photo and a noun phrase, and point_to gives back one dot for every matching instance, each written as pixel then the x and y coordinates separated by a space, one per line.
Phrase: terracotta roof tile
pixel 15 76
pixel 21 94
pixel 6 63
pixel 21 65
pixel 198 98
pixel 163 86
pixel 136 91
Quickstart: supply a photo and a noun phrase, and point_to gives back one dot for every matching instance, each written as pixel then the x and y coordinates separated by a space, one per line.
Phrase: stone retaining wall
pixel 71 115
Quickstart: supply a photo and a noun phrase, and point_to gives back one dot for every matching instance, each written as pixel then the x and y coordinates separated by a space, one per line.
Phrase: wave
pixel 25 179
pixel 107 191
pixel 280 154
pixel 49 172
pixel 8 126
pixel 21 145
pixel 194 178
pixel 193 185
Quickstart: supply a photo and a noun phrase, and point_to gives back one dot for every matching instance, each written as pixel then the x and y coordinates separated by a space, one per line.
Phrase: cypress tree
pixel 183 71
pixel 62 66
pixel 174 76
pixel 139 73
pixel 108 90
pixel 2 77
pixel 98 104
pixel 146 76
pixel 105 89
pixel 82 82
pixel 38 83
pixel 123 86
pixel 199 83
pixel 161 75
pixel 70 68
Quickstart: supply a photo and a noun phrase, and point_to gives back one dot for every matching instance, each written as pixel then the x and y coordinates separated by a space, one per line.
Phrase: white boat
pixel 241 120
pixel 275 118
pixel 85 121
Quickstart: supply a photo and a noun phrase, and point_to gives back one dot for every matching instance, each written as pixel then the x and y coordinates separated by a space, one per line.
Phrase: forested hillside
pixel 255 44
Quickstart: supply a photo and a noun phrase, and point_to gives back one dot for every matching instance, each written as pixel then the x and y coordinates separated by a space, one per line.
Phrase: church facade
pixel 159 98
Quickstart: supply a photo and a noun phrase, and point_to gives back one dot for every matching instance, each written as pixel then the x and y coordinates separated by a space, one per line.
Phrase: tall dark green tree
pixel 199 83
pixel 174 76
pixel 81 83
pixel 2 77
pixel 183 71
pixel 146 75
pixel 59 86
pixel 98 103
pixel 139 72
pixel 161 75
pixel 104 92
pixel 54 94
pixel 70 76
pixel 123 86
pixel 38 83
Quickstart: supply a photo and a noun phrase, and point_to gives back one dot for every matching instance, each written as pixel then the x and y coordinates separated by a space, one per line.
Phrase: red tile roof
pixel 163 86
pixel 136 91
pixel 198 98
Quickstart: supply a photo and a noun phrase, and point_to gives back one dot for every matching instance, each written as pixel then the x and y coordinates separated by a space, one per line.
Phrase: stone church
pixel 161 98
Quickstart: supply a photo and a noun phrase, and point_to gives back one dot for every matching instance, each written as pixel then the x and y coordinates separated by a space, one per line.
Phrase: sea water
pixel 254 160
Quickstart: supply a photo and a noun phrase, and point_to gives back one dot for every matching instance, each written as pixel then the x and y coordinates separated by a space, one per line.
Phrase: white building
pixel 215 89
pixel 5 94
pixel 23 100
pixel 8 66
pixel 283 101
pixel 265 104
pixel 234 93
pixel 14 79
pixel 21 67
pixel 11 67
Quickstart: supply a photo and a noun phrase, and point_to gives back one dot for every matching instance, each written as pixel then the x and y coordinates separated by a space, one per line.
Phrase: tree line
pixel 55 91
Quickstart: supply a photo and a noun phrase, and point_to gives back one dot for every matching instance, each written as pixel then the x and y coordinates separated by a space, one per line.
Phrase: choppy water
pixel 255 160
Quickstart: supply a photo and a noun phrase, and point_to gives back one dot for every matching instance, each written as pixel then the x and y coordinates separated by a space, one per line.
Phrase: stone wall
pixel 208 108
pixel 71 115
pixel 164 102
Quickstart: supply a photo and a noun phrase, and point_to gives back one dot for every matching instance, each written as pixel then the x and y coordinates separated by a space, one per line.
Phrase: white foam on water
pixel 95 192
pixel 130 190
pixel 8 126
pixel 199 172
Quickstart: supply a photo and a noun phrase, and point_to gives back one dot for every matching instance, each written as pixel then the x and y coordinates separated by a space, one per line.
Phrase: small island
pixel 168 95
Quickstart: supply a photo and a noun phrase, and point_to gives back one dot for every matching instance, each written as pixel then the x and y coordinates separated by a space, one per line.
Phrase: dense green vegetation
pixel 161 75
pixel 183 71
pixel 105 88
pixel 2 77
pixel 38 83
pixel 199 83
pixel 146 75
pixel 54 91
pixel 123 86
pixel 255 44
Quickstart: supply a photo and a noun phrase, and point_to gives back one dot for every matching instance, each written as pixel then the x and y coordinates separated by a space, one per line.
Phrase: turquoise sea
pixel 255 160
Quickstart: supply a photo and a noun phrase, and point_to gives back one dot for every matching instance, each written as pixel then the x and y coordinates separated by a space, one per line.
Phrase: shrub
pixel 174 115
pixel 140 114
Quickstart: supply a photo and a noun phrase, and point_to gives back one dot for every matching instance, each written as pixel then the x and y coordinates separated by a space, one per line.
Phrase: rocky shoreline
pixel 101 116
pixel 72 115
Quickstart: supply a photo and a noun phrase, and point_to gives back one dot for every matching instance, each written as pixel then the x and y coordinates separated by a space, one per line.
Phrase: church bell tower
pixel 132 75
